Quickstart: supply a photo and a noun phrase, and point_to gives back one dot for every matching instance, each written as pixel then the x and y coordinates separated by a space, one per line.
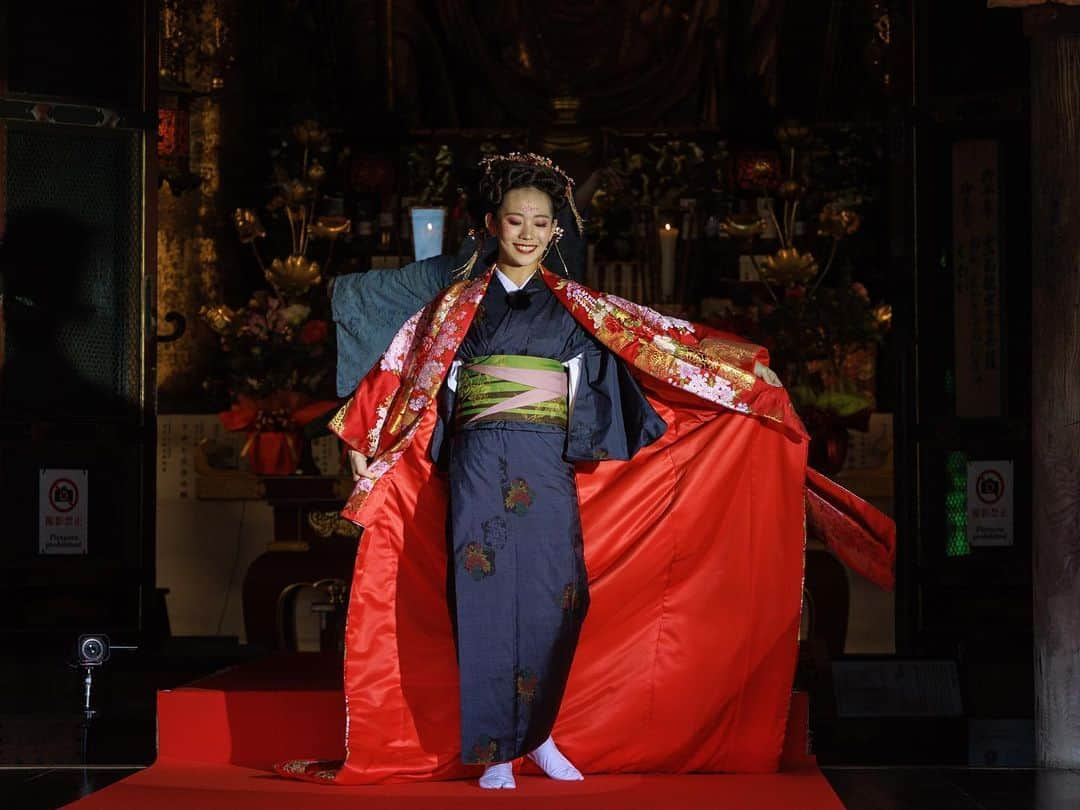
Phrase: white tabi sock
pixel 500 775
pixel 554 764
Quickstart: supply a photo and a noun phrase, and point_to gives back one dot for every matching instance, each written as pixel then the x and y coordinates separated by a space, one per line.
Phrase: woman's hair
pixel 505 173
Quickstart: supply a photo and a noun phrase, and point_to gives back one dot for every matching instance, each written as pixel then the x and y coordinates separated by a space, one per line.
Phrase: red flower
pixel 314 332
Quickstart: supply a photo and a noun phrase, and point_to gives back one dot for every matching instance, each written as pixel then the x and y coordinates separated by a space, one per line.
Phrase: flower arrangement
pixel 271 345
pixel 821 326
pixel 823 342
pixel 277 349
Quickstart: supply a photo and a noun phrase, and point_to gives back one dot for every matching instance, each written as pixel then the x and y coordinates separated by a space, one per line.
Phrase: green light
pixel 956 543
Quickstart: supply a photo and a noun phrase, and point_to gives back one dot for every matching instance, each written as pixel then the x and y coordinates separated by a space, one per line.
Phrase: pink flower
pixel 860 291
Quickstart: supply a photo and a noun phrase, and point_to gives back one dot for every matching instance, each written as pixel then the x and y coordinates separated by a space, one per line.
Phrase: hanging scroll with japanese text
pixel 976 279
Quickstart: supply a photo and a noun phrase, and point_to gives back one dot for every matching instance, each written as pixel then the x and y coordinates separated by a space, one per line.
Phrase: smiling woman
pixel 520 587
pixel 524 228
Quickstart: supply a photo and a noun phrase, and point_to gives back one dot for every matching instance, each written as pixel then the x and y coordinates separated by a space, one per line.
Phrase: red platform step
pixel 218 737
pixel 287 706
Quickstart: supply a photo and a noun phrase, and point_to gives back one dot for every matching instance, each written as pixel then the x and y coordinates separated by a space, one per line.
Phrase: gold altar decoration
pixel 298 198
pixel 294 276
pixel 280 342
pixel 743 226
pixel 791 264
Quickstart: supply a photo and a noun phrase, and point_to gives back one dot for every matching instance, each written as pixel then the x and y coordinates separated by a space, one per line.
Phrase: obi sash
pixel 511 388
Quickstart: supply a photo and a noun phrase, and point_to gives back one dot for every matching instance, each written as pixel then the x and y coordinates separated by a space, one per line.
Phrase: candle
pixel 427 229
pixel 669 237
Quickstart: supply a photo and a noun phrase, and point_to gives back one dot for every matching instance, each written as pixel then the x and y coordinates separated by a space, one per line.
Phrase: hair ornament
pixel 489 163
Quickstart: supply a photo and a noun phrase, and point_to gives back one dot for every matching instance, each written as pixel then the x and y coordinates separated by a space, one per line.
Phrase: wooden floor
pixel 858 788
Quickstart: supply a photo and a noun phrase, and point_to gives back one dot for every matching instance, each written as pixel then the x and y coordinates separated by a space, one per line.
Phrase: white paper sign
pixel 62 512
pixel 990 503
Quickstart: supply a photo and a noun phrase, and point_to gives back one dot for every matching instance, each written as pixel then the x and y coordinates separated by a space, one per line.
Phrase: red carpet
pixel 219 736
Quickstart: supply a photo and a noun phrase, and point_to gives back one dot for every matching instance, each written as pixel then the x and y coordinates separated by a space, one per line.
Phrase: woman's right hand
pixel 358 465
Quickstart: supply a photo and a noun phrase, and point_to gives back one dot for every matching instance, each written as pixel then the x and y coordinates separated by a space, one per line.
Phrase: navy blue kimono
pixel 519 585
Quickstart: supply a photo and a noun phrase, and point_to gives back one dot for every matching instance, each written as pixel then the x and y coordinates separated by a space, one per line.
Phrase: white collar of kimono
pixel 508 283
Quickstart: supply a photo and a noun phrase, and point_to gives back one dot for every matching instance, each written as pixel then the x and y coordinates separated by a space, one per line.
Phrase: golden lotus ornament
pixel 790 190
pixel 792 133
pixel 883 315
pixel 309 134
pixel 316 172
pixel 329 227
pixel 294 276
pixel 838 222
pixel 248 226
pixel 219 317
pixel 297 193
pixel 743 226
pixel 789 266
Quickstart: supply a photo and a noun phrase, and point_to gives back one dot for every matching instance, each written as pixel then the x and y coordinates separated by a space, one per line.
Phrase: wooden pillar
pixel 384 51
pixel 1055 358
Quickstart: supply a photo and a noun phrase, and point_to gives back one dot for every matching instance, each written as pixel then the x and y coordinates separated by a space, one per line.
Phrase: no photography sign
pixel 62 512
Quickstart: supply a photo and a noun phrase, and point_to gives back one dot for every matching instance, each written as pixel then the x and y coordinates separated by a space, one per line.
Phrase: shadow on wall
pixel 67 354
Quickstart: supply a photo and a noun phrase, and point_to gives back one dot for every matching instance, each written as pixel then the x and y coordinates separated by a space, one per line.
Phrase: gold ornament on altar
pixel 298 197
pixel 316 173
pixel 838 222
pixel 789 266
pixel 219 317
pixel 792 133
pixel 329 227
pixel 743 226
pixel 790 190
pixel 248 226
pixel 294 276
pixel 883 315
pixel 310 134
pixel 823 338
pixel 297 194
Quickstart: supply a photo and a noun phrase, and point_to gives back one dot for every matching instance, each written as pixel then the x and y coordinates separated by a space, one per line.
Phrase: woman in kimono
pixel 596 456
pixel 519 582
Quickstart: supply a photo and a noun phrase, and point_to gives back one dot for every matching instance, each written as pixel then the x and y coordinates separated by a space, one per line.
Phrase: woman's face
pixel 523 225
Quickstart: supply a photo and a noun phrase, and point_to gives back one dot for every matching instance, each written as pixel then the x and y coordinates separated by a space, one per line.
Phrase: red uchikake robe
pixel 694 550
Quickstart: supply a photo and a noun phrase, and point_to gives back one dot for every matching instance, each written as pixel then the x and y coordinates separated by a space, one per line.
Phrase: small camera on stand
pixel 92 650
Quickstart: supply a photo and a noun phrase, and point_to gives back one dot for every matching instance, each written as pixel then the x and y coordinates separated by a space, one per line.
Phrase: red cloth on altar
pixel 694 550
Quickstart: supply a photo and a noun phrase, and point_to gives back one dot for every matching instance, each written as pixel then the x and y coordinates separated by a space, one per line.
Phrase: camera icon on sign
pixel 64 495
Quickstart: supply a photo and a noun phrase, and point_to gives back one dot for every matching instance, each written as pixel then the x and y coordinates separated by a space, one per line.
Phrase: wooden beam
pixel 1055 359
